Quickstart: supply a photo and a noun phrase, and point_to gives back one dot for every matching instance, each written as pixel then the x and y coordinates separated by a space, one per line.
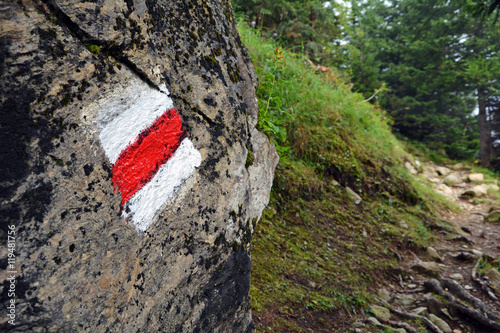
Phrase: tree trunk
pixel 485 149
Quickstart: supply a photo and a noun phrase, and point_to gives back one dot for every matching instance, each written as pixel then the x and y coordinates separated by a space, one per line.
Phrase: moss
pixel 250 159
pixel 93 48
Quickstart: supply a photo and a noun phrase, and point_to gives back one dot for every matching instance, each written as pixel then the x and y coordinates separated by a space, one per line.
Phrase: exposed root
pixel 408 315
pixel 435 286
pixel 393 323
pixel 464 295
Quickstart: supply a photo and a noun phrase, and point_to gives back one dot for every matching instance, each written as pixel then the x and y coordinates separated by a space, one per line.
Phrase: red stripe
pixel 140 161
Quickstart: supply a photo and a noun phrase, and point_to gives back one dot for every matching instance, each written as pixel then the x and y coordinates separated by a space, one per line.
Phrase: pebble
pixel 385 295
pixel 469 287
pixel 380 311
pixel 405 300
pixel 440 323
pixel 420 311
pixel 374 321
pixel 477 253
pixel 457 277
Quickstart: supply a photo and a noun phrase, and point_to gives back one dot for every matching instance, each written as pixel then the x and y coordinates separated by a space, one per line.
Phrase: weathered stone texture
pixel 81 268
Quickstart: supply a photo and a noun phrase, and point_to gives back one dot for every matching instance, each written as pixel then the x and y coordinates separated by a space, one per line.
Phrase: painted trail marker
pixel 152 156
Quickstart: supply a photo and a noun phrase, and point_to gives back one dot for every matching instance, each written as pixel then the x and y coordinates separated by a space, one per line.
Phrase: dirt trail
pixel 463 243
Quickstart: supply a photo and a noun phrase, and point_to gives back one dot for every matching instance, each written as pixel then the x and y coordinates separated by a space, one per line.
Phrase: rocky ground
pixel 454 285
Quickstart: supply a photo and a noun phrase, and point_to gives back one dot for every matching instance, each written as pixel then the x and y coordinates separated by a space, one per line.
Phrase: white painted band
pixel 163 186
pixel 124 119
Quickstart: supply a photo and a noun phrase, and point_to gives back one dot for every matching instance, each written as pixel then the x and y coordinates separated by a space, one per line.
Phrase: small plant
pixel 272 114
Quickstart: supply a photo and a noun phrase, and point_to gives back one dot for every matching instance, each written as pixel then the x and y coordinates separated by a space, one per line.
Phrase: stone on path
pixel 429 268
pixel 443 171
pixel 476 177
pixel 457 277
pixel 440 323
pixel 444 189
pixel 452 179
pixel 404 300
pixel 494 275
pixel 420 311
pixel 385 294
pixel 434 254
pixel 374 321
pixel 380 311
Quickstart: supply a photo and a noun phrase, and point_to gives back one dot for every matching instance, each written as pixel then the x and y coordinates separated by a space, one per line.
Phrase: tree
pixel 416 48
pixel 307 26
pixel 482 8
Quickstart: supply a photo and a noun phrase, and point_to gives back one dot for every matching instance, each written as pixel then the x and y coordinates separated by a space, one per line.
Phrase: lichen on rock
pixel 81 265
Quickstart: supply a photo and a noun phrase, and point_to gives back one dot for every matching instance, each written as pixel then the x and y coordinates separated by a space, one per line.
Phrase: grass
pixel 317 256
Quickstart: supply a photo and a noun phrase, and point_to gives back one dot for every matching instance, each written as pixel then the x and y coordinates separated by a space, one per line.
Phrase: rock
pixel 374 321
pixel 493 217
pixel 477 253
pixel 444 189
pixel 452 179
pixel 421 311
pixel 457 331
pixel 480 190
pixel 457 166
pixel 434 180
pixel 81 81
pixel 429 268
pixel 440 323
pixel 447 314
pixel 380 311
pixel 404 300
pixel 354 196
pixel 403 224
pixel 411 168
pixel 443 171
pixel 493 187
pixel 457 277
pixel 494 275
pixel 434 254
pixel 358 324
pixel 475 177
pixel 385 295
pixel 412 286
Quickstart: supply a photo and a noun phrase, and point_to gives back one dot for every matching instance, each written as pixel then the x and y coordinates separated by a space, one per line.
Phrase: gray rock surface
pixel 356 198
pixel 440 323
pixel 429 268
pixel 380 311
pixel 81 267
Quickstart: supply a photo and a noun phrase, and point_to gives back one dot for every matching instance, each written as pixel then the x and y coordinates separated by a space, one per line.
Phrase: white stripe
pixel 124 119
pixel 163 186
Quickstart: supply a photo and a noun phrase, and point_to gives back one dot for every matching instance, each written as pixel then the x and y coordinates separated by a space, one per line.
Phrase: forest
pixel 434 66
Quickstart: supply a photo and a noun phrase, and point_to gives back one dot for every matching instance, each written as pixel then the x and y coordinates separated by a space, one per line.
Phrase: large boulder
pixel 132 173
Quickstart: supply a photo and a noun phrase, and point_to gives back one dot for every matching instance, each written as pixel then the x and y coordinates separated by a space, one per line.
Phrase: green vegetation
pixel 93 48
pixel 432 65
pixel 317 256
